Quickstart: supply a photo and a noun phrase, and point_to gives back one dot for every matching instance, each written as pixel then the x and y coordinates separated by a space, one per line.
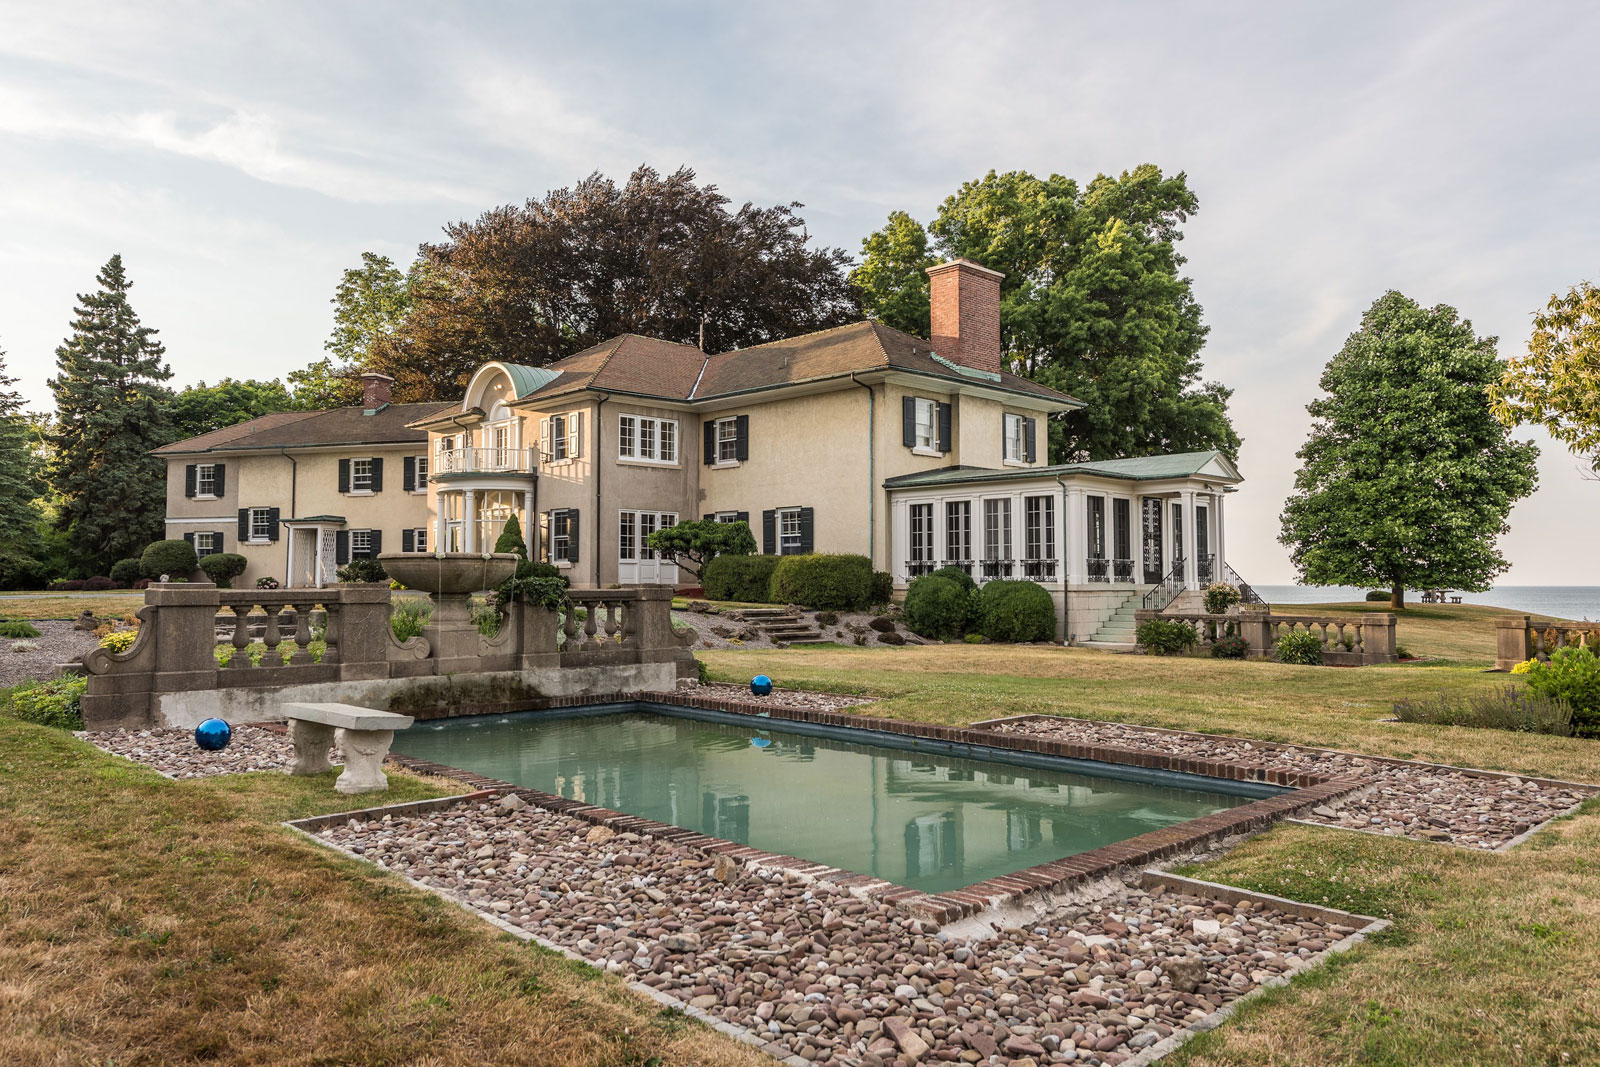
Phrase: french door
pixel 637 562
pixel 1153 570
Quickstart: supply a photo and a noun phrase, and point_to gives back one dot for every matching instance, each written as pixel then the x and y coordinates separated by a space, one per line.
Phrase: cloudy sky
pixel 240 156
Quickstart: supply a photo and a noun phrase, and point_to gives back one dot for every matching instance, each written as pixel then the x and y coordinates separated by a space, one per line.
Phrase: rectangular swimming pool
pixel 928 815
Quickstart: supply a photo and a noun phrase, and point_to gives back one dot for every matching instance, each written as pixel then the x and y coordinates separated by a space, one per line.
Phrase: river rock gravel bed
pixel 174 752
pixel 806 699
pixel 1421 802
pixel 823 975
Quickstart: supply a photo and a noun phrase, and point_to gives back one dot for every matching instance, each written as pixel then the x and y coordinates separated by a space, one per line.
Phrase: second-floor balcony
pixel 485 459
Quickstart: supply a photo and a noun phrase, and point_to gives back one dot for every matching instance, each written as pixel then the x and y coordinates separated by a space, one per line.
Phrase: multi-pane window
pixel 958 531
pixel 997 529
pixel 628 537
pixel 360 544
pixel 922 534
pixel 727 440
pixel 421 467
pixel 558 439
pixel 1039 525
pixel 560 535
pixel 205 544
pixel 361 476
pixel 1015 446
pixel 205 479
pixel 789 531
pixel 1097 527
pixel 260 524
pixel 725 516
pixel 926 429
pixel 419 539
pixel 647 439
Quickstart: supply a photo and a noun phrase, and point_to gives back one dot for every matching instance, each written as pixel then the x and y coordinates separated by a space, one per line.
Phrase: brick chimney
pixel 375 390
pixel 964 300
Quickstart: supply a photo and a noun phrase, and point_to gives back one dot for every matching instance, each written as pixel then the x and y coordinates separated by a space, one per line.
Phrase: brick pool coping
pixel 1306 791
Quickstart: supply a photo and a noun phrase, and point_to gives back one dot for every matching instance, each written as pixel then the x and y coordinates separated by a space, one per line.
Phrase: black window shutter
pixel 742 425
pixel 377 475
pixel 216 542
pixel 188 479
pixel 908 421
pixel 377 544
pixel 807 530
pixel 711 442
pixel 220 479
pixel 272 524
pixel 741 516
pixel 944 427
pixel 244 524
pixel 341 547
pixel 344 476
pixel 189 537
pixel 769 532
pixel 1027 439
pixel 408 541
pixel 408 475
pixel 572 535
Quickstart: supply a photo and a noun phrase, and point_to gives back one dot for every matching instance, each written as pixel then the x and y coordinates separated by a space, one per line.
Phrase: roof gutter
pixel 872 467
pixel 594 523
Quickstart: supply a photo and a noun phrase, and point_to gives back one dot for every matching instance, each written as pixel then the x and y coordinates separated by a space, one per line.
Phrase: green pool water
pixel 922 819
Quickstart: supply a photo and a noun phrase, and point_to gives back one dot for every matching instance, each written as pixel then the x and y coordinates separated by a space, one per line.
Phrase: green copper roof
pixel 527 379
pixel 1138 468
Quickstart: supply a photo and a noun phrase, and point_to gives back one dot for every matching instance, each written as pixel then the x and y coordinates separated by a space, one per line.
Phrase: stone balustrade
pixel 1519 638
pixel 1346 640
pixel 237 654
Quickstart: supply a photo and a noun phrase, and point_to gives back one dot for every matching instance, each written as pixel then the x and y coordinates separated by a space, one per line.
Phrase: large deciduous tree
pixel 1093 303
pixel 20 486
pixel 111 410
pixel 369 305
pixel 657 255
pixel 201 408
pixel 1406 478
pixel 1557 384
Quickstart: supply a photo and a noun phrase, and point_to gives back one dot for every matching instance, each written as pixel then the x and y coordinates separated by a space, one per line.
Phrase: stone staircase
pixel 781 625
pixel 1117 631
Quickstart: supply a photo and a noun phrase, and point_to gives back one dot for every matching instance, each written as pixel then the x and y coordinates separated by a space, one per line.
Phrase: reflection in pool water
pixel 928 821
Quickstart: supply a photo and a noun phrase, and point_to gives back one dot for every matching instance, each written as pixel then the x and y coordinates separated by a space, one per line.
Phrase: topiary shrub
pixel 52 703
pixel 223 567
pixel 957 575
pixel 175 559
pixel 18 628
pixel 1375 595
pixel 1230 647
pixel 98 584
pixel 693 544
pixel 510 539
pixel 362 570
pixel 823 581
pixel 1016 611
pixel 1164 637
pixel 1220 596
pixel 936 608
pixel 743 578
pixel 1301 647
pixel 1572 676
pixel 882 588
pixel 125 572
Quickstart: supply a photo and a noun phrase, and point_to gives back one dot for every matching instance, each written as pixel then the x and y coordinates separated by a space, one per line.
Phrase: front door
pixel 637 562
pixel 1153 571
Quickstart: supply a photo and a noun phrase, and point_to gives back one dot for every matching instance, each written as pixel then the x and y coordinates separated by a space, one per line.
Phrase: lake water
pixel 916 818
pixel 1579 602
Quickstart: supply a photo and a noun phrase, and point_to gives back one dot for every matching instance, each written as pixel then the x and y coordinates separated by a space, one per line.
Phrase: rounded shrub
pixel 957 575
pixel 362 570
pixel 69 585
pixel 98 584
pixel 743 578
pixel 1164 637
pixel 223 567
pixel 1378 594
pixel 535 569
pixel 1220 596
pixel 1300 646
pixel 823 582
pixel 1231 647
pixel 175 559
pixel 125 572
pixel 1016 611
pixel 936 608
pixel 1572 676
pixel 882 587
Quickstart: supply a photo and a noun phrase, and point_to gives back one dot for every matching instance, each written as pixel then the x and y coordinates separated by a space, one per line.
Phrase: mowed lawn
pixel 1491 957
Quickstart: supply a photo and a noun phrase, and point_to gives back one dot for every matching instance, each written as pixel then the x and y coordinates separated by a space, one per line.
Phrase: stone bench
pixel 363 734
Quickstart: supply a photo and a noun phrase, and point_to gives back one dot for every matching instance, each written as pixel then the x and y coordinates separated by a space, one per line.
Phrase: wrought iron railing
pixel 1103 569
pixel 991 569
pixel 963 565
pixel 1039 570
pixel 918 567
pixel 1205 568
pixel 1167 590
pixel 1247 595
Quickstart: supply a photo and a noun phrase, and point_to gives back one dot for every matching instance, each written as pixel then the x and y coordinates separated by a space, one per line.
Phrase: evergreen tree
pixel 510 539
pixel 19 486
pixel 1407 478
pixel 111 410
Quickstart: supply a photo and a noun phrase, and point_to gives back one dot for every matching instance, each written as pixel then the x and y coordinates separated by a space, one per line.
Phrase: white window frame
pixel 725 516
pixel 1016 444
pixel 927 419
pixel 205 481
pixel 958 534
pixel 1039 527
pixel 419 539
pixel 419 475
pixel 997 541
pixel 647 439
pixel 727 442
pixel 260 526
pixel 920 531
pixel 364 535
pixel 357 476
pixel 789 541
pixel 210 545
pixel 560 534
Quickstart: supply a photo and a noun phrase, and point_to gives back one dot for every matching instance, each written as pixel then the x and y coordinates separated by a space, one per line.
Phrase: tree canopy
pixel 1557 384
pixel 1093 303
pixel 1406 477
pixel 369 304
pixel 111 410
pixel 201 408
pixel 657 255
pixel 694 543
pixel 20 486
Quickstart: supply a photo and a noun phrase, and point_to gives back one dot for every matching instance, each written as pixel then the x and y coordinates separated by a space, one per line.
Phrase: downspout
pixel 1066 586
pixel 872 462
pixel 599 424
pixel 294 478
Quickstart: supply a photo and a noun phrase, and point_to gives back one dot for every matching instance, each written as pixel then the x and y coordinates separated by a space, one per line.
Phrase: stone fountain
pixel 452 578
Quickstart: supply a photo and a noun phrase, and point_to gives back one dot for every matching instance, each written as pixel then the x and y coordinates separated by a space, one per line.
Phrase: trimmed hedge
pixel 175 559
pixel 743 578
pixel 957 575
pixel 882 588
pixel 1374 595
pixel 823 582
pixel 1231 647
pixel 125 572
pixel 98 584
pixel 936 608
pixel 1016 611
pixel 223 567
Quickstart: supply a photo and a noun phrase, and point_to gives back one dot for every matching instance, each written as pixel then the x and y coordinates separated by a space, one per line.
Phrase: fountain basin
pixel 450 573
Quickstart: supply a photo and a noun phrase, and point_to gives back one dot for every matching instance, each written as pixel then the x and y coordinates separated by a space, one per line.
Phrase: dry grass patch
pixel 56 606
pixel 144 921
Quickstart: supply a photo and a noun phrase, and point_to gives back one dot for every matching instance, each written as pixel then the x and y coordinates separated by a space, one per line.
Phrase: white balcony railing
pixel 487 459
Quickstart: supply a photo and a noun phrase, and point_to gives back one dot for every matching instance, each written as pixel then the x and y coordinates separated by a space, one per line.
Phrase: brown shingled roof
pixel 629 363
pixel 309 429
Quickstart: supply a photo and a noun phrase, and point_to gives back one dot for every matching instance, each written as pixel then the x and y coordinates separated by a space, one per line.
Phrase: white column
pixel 1019 534
pixel 469 521
pixel 530 527
pixel 441 521
pixel 1217 537
pixel 1190 564
pixel 899 540
pixel 1074 529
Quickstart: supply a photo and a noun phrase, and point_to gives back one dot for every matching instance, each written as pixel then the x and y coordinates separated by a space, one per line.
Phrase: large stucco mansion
pixel 917 453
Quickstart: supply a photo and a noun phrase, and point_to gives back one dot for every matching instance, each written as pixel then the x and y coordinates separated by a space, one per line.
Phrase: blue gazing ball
pixel 213 735
pixel 761 742
pixel 761 685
